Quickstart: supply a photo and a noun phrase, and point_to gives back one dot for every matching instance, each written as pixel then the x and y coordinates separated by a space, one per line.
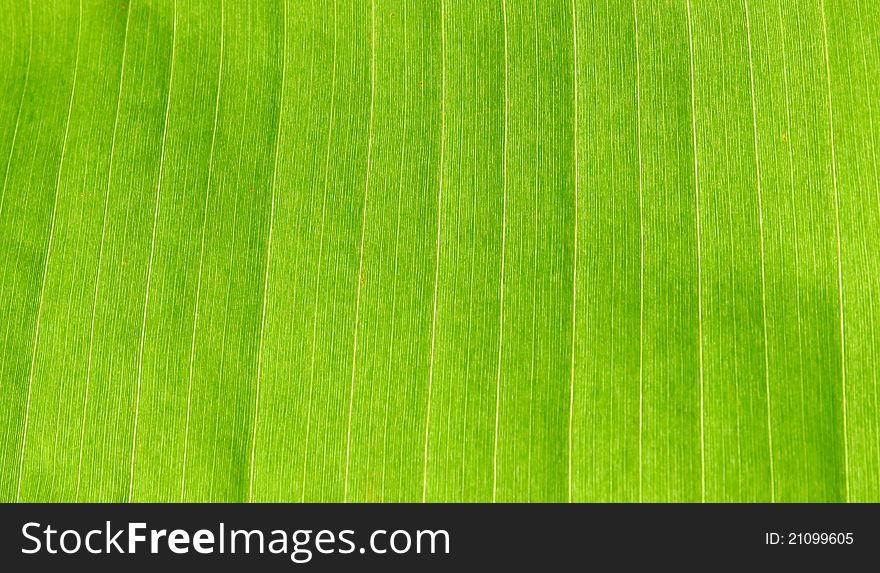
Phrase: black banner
pixel 279 537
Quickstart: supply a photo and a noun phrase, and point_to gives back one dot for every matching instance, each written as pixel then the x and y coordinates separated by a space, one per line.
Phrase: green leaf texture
pixel 440 250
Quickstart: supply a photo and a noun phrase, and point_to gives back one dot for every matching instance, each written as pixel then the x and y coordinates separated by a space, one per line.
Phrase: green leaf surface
pixel 441 250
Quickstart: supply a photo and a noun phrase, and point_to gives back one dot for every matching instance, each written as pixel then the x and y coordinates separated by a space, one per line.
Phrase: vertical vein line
pixel 612 174
pixel 860 20
pixel 641 241
pixel 48 253
pixel 140 366
pixel 57 184
pixel 503 242
pixel 469 335
pixel 788 127
pixel 260 350
pixel 101 253
pixel 24 86
pixel 393 325
pixel 269 248
pixel 320 259
pixel 839 259
pixel 202 255
pixel 761 230
pixel 575 245
pixel 699 255
pixel 357 308
pixel 536 253
pixel 439 221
